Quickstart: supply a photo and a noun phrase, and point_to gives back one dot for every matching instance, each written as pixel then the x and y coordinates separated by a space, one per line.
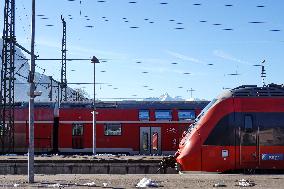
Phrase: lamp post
pixel 31 101
pixel 94 61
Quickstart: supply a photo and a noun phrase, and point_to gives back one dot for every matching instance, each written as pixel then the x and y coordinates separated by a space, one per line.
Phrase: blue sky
pixel 157 45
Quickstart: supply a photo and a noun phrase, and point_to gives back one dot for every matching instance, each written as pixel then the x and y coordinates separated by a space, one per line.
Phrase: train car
pixel 242 129
pixel 14 141
pixel 43 127
pixel 128 127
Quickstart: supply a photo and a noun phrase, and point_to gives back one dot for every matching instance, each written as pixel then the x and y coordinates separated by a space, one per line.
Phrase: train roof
pixel 270 90
pixel 36 104
pixel 138 104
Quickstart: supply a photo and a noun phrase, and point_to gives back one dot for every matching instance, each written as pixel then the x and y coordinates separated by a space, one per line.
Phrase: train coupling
pixel 177 167
pixel 167 162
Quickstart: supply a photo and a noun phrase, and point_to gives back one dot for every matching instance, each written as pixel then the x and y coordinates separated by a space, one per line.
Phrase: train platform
pixel 193 181
pixel 83 164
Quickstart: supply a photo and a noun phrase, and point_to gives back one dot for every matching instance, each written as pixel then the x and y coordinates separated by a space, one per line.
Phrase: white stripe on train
pixel 101 122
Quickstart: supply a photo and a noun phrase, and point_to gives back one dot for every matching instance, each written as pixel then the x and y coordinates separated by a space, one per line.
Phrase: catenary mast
pixel 7 78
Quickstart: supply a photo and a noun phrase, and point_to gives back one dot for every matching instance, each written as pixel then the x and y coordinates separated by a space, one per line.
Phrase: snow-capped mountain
pixel 22 86
pixel 167 97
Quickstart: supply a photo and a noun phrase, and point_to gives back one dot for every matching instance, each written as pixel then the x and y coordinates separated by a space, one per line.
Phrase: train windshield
pixel 206 109
pixel 202 113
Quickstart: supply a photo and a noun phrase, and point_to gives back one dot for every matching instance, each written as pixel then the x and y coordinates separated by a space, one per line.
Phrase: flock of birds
pixel 179 26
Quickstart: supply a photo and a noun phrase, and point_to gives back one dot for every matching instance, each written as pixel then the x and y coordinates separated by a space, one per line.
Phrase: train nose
pixel 182 158
pixel 180 162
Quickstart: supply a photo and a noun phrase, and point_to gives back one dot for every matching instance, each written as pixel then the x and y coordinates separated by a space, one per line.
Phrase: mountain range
pixel 167 97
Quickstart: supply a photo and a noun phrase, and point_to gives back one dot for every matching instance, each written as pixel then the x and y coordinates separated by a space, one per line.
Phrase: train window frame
pixel 107 131
pixel 77 127
pixel 142 115
pixel 248 123
pixel 191 112
pixel 159 117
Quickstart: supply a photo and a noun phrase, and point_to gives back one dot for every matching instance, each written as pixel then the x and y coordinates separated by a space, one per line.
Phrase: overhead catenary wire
pixel 83 11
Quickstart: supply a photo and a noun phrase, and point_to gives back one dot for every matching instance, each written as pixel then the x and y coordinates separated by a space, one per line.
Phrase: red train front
pixel 242 129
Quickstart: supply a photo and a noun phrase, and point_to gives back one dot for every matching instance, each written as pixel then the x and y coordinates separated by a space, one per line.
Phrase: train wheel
pixel 249 171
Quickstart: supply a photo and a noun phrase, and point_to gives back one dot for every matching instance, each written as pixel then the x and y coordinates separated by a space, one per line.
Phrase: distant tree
pixel 79 94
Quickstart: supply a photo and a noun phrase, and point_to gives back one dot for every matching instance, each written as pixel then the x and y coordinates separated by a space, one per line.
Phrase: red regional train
pixel 126 127
pixel 242 129
pixel 45 120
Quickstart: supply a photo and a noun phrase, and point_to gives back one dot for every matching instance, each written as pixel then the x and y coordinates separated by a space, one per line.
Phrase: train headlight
pixel 177 167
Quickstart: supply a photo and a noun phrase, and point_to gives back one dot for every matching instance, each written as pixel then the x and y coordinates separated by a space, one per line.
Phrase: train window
pixel 223 133
pixel 271 128
pixel 186 114
pixel 163 115
pixel 155 141
pixel 112 129
pixel 145 144
pixel 248 123
pixel 77 129
pixel 144 115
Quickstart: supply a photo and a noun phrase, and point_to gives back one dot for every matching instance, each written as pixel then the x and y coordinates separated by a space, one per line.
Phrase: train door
pixel 77 135
pixel 249 155
pixel 150 140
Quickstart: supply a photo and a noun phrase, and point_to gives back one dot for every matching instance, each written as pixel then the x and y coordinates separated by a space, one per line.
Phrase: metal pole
pixel 94 113
pixel 58 94
pixel 31 102
pixel 51 86
pixel 63 84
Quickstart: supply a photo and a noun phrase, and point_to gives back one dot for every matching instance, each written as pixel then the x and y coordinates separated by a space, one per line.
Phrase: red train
pixel 45 120
pixel 129 127
pixel 242 129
